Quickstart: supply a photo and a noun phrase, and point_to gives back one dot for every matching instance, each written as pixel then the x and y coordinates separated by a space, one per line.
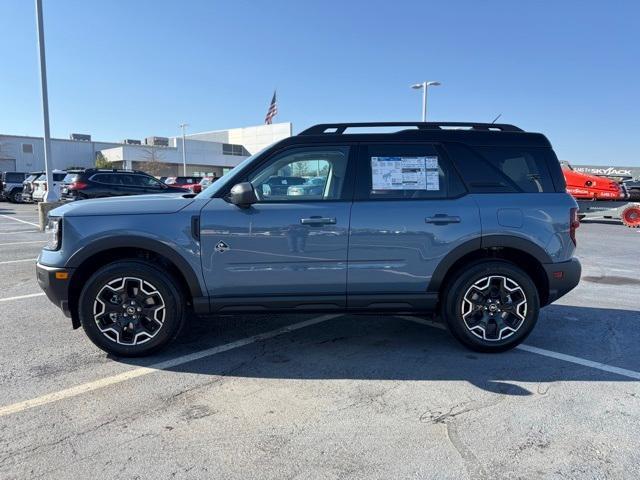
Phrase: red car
pixel 192 183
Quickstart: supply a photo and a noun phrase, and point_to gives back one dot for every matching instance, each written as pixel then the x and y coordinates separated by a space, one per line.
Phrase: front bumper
pixel 56 289
pixel 562 278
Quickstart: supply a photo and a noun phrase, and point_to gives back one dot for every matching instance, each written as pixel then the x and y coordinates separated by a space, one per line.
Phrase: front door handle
pixel 317 221
pixel 442 219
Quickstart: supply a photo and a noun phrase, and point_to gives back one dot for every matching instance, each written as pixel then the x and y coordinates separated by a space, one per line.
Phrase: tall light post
pixel 51 194
pixel 424 86
pixel 184 151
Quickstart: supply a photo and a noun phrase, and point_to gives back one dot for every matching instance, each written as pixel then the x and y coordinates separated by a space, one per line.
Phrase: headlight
pixel 54 233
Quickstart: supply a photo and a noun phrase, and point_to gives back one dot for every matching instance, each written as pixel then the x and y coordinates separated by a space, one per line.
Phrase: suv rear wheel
pixel 131 308
pixel 491 306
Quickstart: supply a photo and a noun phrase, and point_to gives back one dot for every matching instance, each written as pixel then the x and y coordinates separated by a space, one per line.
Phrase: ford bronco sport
pixel 470 221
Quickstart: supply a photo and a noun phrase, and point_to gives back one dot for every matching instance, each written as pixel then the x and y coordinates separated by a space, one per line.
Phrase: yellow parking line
pixel 167 364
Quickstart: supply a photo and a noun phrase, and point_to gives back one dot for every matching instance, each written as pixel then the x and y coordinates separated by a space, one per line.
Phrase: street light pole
pixel 184 151
pixel 424 86
pixel 51 194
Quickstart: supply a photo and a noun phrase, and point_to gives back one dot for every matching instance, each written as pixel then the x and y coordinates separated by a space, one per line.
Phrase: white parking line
pixel 20 297
pixel 167 364
pixel 23 243
pixel 5 262
pixel 15 232
pixel 547 353
pixel 21 221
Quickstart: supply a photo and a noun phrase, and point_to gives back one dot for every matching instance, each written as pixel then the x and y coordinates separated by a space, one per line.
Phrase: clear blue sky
pixel 128 69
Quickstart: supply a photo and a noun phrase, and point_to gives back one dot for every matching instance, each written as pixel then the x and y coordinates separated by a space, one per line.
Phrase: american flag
pixel 273 110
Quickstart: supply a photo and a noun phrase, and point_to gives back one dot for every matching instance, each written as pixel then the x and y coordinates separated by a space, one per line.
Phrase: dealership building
pixel 207 153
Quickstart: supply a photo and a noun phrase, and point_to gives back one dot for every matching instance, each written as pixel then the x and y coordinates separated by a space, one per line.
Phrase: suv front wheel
pixel 491 306
pixel 131 308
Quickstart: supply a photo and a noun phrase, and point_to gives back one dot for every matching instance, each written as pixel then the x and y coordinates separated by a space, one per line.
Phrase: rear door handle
pixel 317 221
pixel 442 219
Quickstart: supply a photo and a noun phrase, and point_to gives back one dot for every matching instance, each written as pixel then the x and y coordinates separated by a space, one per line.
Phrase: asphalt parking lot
pixel 325 396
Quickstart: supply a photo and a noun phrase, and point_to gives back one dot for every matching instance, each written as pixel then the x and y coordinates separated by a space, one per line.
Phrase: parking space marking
pixel 16 232
pixel 5 262
pixel 20 297
pixel 547 353
pixel 22 243
pixel 156 367
pixel 21 221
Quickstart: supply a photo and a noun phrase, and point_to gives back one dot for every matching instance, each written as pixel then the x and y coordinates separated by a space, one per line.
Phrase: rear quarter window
pixel 492 169
pixel 525 167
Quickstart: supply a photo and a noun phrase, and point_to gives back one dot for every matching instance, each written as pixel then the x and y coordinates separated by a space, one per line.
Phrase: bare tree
pixel 152 163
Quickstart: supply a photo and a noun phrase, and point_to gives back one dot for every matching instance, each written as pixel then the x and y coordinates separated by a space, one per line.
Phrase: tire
pixel 126 329
pixel 16 196
pixel 631 216
pixel 490 306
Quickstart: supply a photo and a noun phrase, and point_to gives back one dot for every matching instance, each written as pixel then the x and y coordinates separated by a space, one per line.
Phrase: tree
pixel 102 162
pixel 152 163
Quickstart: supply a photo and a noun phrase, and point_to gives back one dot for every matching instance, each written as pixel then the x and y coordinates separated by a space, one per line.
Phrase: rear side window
pixel 526 167
pixel 504 169
pixel 58 177
pixel 405 172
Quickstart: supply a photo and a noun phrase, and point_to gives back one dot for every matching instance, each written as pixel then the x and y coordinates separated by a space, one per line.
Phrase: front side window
pixel 302 174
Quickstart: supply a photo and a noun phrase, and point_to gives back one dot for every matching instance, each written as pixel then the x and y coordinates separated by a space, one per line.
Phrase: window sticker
pixel 405 173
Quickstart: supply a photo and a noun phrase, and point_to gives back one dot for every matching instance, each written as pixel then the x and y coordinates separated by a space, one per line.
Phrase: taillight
pixel 77 186
pixel 574 223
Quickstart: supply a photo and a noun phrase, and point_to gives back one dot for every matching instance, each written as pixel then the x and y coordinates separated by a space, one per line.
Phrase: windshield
pixel 220 183
pixel 70 178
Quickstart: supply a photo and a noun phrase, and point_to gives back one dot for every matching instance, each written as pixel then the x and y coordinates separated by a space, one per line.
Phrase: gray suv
pixel 469 221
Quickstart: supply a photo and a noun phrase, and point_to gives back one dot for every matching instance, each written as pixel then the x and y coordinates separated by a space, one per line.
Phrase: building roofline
pixel 234 128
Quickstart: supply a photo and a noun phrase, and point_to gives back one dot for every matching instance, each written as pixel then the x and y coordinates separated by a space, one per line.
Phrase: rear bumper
pixel 56 289
pixel 562 278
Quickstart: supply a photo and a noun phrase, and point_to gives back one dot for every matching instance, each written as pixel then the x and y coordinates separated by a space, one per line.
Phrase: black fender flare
pixel 132 241
pixel 483 242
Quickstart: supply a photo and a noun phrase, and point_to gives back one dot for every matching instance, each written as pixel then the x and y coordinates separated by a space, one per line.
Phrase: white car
pixel 40 185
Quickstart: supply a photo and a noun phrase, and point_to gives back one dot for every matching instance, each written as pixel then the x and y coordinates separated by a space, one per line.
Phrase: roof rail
pixel 339 128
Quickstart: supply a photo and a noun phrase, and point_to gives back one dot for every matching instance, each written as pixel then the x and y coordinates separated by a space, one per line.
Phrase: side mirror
pixel 243 195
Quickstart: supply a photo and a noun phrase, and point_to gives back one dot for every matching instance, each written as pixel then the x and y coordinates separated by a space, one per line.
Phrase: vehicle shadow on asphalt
pixel 376 347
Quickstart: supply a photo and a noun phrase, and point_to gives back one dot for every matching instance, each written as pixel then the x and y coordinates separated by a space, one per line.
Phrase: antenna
pixel 495 119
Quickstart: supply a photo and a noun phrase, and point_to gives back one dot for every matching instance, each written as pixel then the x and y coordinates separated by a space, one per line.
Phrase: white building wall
pixel 253 139
pixel 64 153
pixel 198 153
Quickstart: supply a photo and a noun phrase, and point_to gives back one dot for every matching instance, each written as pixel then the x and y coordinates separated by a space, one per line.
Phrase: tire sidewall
pixel 452 306
pixel 174 317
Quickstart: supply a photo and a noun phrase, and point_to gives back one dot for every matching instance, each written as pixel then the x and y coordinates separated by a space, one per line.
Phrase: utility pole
pixel 184 150
pixel 51 195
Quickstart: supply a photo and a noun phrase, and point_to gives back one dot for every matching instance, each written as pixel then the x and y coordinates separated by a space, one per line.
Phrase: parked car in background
pixel 206 181
pixel 192 183
pixel 633 188
pixel 41 187
pixel 11 186
pixel 100 183
pixel 279 186
pixel 28 186
pixel 313 186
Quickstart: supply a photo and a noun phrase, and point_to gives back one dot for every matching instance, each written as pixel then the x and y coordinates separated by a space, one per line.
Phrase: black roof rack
pixel 339 128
